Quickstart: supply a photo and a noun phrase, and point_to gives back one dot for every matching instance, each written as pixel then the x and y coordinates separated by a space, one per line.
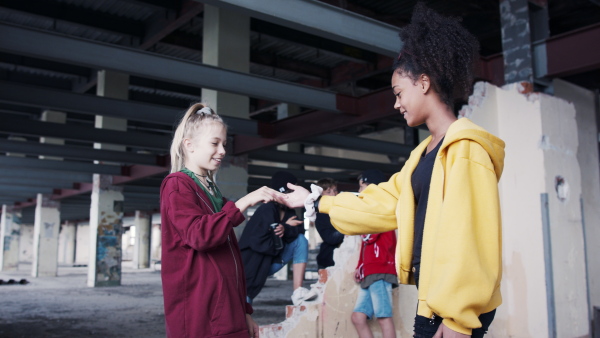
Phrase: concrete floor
pixel 64 306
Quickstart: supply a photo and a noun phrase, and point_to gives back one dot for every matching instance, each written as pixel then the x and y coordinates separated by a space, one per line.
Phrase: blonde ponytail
pixel 189 127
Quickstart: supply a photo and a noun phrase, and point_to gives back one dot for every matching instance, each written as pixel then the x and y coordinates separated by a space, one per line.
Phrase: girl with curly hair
pixel 444 202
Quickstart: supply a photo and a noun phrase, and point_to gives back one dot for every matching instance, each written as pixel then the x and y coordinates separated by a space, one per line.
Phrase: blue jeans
pixel 296 251
pixel 375 300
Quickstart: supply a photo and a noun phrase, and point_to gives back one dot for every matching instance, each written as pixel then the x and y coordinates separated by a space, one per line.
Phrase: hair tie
pixel 205 111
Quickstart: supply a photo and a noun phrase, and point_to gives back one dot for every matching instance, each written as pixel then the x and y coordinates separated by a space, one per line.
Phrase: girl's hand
pixel 357 276
pixel 264 194
pixel 252 326
pixel 279 230
pixel 293 221
pixel 445 332
pixel 296 198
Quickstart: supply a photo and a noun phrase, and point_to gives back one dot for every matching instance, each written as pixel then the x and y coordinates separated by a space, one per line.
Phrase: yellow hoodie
pixel 461 259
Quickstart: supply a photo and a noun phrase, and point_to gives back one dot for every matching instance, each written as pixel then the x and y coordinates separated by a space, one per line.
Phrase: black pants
pixel 427 327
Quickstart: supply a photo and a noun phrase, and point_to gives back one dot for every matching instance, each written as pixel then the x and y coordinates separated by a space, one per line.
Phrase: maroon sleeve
pixel 194 220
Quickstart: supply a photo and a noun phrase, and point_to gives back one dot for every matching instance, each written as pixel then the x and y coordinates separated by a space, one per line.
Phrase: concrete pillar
pixel 141 251
pixel 45 237
pixel 226 44
pixel 587 155
pixel 114 85
pixel 10 235
pixel 54 117
pixel 82 244
pixel 26 243
pixel 544 277
pixel 106 213
pixel 155 239
pixel 66 243
pixel 516 41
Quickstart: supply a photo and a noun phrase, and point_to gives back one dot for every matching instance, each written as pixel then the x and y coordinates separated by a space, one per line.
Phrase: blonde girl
pixel 202 272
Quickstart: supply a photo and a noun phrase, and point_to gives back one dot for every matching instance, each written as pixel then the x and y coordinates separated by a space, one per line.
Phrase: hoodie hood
pixel 464 128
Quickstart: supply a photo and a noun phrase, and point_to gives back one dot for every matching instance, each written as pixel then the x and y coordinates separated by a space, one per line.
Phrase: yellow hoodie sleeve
pixel 467 247
pixel 372 211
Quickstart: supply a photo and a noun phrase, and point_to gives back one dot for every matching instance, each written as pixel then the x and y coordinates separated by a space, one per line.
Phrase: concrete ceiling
pixel 332 58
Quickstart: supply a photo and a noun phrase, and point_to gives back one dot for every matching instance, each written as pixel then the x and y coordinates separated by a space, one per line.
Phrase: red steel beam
pixel 130 173
pixel 574 52
pixel 366 109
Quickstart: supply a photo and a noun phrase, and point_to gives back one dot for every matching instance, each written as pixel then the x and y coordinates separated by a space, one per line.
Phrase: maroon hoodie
pixel 202 273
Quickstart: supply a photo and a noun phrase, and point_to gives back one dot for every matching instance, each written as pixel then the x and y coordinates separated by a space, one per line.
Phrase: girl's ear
pixel 424 83
pixel 188 145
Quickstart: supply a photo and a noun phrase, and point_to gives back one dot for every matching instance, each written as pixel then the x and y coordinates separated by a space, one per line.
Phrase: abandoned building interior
pixel 91 90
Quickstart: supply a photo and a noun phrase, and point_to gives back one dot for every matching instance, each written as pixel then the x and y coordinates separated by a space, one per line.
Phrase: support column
pixel 10 234
pixel 66 243
pixel 114 85
pixel 226 44
pixel 516 41
pixel 141 250
pixel 155 240
pixel 54 117
pixel 45 237
pixel 106 214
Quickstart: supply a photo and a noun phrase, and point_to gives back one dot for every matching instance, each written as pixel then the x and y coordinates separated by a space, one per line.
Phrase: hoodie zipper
pixel 237 279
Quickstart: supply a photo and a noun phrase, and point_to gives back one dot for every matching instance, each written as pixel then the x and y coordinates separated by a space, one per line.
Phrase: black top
pixel 331 240
pixel 257 244
pixel 420 180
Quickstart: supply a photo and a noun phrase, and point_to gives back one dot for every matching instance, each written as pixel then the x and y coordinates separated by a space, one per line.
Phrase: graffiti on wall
pixel 108 257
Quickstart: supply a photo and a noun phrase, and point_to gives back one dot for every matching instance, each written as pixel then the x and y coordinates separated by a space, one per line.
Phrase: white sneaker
pixel 303 294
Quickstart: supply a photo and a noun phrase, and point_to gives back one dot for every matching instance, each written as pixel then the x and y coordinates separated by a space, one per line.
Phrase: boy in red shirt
pixel 376 273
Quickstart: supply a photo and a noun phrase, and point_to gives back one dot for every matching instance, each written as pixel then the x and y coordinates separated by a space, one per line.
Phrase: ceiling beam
pixel 372 107
pixel 98 55
pixel 158 26
pixel 60 100
pixel 53 166
pixel 320 19
pixel 321 161
pixel 72 13
pixel 78 152
pixel 83 133
pixel 360 144
pixel 574 52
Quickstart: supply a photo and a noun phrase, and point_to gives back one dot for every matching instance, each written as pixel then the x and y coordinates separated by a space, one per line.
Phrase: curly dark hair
pixel 441 48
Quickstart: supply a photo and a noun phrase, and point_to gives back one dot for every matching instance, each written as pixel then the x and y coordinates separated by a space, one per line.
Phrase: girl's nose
pixel 397 104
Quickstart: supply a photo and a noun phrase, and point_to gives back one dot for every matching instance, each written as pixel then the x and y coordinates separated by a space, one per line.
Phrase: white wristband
pixel 309 202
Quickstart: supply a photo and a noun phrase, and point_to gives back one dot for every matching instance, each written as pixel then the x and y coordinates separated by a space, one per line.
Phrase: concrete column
pixel 114 85
pixel 226 44
pixel 141 251
pixel 155 239
pixel 54 117
pixel 516 41
pixel 587 154
pixel 106 213
pixel 544 277
pixel 82 244
pixel 26 243
pixel 10 235
pixel 66 243
pixel 45 237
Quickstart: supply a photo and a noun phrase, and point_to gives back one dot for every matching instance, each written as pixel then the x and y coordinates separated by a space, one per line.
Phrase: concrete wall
pixel 587 156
